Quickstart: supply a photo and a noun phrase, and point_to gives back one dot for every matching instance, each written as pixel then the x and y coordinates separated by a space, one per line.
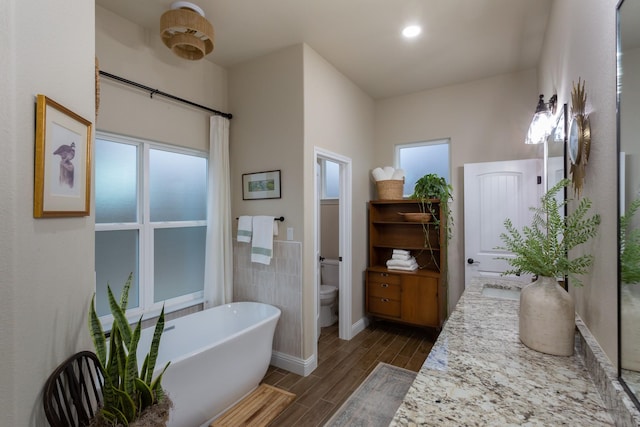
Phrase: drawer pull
pixel 384 274
pixel 384 285
pixel 384 299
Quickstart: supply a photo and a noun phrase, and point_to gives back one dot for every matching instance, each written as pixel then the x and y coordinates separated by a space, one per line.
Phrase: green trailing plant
pixel 543 247
pixel 630 246
pixel 127 392
pixel 433 192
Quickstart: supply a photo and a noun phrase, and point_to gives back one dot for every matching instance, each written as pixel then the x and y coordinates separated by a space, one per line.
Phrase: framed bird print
pixel 62 186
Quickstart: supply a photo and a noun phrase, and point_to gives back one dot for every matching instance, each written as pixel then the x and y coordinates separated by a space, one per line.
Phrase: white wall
pixel 580 43
pixel 46 265
pixel 486 120
pixel 127 50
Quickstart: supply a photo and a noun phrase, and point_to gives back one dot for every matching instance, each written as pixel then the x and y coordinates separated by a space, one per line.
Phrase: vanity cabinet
pixel 412 297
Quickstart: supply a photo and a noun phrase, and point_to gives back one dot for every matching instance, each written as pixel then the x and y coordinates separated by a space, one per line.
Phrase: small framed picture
pixel 261 185
pixel 62 186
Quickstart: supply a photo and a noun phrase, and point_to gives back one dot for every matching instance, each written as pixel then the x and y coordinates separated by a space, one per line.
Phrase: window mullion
pixel 146 285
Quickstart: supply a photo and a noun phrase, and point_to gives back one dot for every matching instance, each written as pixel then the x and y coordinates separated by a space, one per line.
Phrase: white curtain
pixel 218 271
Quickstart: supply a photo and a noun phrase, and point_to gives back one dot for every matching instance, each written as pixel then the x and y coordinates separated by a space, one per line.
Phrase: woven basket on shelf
pixel 390 189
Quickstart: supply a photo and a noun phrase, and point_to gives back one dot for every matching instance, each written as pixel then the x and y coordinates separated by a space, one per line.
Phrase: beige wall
pixel 486 120
pixel 338 117
pixel 629 125
pixel 46 265
pixel 127 50
pixel 267 133
pixel 329 230
pixel 580 43
pixel 287 103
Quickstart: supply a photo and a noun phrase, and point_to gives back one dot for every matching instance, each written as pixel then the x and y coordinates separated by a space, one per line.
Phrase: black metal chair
pixel 73 392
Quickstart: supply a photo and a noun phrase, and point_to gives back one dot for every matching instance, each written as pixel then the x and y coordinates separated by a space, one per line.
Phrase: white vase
pixel 547 317
pixel 630 327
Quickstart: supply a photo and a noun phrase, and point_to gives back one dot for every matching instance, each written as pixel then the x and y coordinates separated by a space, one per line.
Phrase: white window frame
pixel 146 229
pixel 443 141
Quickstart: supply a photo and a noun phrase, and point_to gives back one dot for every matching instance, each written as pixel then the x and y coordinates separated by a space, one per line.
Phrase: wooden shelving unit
pixel 413 297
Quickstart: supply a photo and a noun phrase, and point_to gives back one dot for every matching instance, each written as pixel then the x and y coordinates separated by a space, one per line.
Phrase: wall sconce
pixel 542 122
pixel 559 132
pixel 186 32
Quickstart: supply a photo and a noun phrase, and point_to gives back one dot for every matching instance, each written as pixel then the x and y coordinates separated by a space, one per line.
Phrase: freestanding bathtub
pixel 218 356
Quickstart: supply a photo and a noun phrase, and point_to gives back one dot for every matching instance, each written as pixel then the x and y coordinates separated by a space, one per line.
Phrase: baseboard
pixel 305 367
pixel 359 326
pixel 294 364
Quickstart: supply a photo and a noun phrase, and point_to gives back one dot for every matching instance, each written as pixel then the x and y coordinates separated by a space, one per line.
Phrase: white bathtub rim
pixel 183 356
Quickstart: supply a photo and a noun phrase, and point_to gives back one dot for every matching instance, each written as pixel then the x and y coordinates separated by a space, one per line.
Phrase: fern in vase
pixel 543 247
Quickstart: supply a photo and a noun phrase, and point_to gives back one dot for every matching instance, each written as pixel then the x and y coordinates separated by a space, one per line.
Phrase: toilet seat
pixel 327 289
pixel 328 294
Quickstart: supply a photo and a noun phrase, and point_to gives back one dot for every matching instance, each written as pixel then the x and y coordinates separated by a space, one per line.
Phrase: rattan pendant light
pixel 186 32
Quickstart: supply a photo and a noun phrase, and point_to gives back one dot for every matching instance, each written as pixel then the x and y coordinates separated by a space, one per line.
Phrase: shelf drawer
pixel 383 277
pixel 383 290
pixel 384 306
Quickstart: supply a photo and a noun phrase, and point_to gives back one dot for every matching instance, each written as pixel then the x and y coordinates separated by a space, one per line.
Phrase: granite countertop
pixel 479 373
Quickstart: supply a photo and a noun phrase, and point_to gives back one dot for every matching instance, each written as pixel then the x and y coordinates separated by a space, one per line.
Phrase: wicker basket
pixel 416 217
pixel 390 189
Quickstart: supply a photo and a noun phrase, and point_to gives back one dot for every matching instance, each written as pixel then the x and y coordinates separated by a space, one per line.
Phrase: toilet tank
pixel 330 272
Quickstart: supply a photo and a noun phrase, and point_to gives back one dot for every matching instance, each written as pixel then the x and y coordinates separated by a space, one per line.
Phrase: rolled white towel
pixel 401 252
pixel 378 174
pixel 398 174
pixel 401 257
pixel 388 172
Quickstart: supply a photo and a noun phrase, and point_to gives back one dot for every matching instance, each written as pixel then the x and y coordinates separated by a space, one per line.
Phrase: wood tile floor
pixel 343 365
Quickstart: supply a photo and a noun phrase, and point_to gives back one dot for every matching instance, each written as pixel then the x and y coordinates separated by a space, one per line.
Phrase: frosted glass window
pixel 116 182
pixel 177 186
pixel 116 257
pixel 420 159
pixel 140 186
pixel 179 261
pixel 331 180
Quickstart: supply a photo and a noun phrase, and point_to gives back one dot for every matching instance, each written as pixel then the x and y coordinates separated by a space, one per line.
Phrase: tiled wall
pixel 278 284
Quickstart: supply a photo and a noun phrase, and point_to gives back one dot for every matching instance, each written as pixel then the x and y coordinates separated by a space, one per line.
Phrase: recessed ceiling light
pixel 411 31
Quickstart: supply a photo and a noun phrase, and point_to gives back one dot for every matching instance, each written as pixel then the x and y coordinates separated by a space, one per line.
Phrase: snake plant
pixel 127 392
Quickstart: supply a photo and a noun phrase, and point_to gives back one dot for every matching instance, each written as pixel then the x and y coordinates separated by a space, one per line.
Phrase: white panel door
pixel 494 191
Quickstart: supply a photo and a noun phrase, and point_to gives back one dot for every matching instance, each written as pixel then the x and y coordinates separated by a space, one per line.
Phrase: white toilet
pixel 329 280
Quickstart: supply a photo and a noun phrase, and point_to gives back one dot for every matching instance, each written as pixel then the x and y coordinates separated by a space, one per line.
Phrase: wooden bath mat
pixel 258 409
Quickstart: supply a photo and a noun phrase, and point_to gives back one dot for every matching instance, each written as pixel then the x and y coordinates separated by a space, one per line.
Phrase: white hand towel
pixel 262 241
pixel 401 252
pixel 399 263
pixel 396 267
pixel 275 228
pixel 245 228
pixel 402 257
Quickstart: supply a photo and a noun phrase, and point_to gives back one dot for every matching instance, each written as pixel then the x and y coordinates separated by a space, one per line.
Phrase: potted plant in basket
pixel 433 191
pixel 130 397
pixel 547 311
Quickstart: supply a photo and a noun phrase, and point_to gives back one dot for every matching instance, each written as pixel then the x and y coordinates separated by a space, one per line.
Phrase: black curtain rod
pixel 153 91
pixel 281 219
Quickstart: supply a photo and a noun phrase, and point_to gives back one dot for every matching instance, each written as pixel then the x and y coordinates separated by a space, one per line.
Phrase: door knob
pixel 470 261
